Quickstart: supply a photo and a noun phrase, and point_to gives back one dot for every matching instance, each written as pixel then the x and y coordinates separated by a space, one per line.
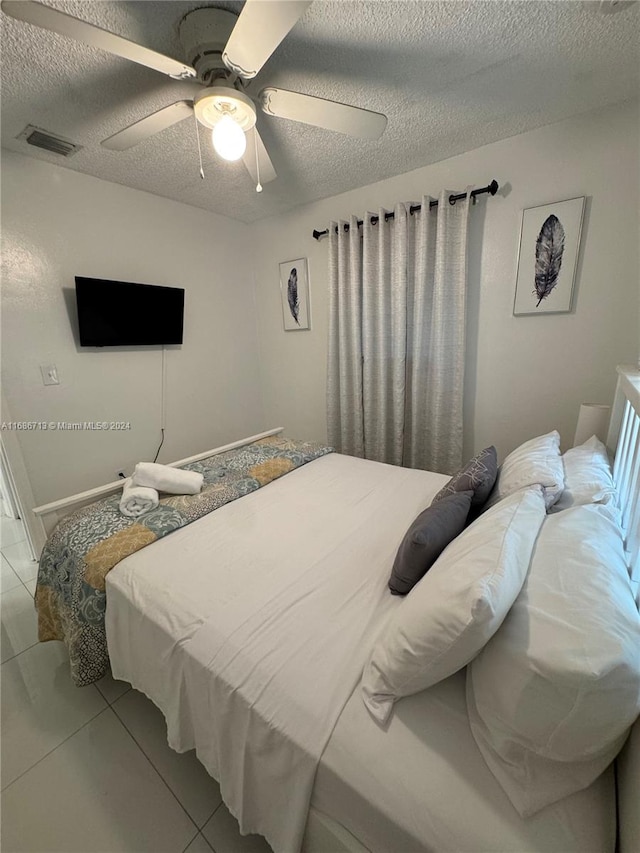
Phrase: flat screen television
pixel 120 313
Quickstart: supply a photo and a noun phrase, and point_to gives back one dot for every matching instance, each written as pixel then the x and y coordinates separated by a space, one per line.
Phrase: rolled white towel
pixel 167 479
pixel 137 500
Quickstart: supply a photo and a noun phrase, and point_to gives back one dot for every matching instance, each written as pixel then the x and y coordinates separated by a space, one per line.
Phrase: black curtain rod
pixel 492 189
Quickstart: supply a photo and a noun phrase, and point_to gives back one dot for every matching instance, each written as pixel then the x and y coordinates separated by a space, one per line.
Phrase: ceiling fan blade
pixel 148 126
pixel 58 22
pixel 322 113
pixel 258 32
pixel 267 172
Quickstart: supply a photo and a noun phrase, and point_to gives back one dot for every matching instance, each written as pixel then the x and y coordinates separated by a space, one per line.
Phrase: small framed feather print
pixel 548 256
pixel 294 292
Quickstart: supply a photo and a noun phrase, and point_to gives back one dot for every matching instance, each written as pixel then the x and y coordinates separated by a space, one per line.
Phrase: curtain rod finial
pixel 493 187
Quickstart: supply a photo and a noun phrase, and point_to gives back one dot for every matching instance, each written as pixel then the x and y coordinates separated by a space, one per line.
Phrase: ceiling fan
pixel 225 51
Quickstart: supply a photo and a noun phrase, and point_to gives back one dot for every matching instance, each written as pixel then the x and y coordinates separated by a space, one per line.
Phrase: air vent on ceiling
pixel 49 141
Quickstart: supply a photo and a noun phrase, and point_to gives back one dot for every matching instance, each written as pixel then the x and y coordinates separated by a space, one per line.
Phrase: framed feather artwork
pixel 548 257
pixel 294 292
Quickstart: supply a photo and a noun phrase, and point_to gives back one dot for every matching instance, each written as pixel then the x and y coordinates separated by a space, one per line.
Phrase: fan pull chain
pixel 199 149
pixel 255 140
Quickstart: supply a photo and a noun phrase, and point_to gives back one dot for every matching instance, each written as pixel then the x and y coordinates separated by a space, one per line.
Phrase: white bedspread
pixel 250 627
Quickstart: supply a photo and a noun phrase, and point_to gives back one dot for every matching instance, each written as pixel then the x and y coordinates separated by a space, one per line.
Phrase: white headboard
pixel 624 441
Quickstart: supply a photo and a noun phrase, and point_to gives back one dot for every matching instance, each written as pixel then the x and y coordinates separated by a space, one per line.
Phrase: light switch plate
pixel 49 374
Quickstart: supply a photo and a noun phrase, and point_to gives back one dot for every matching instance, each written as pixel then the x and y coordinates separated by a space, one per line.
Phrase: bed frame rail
pixel 51 513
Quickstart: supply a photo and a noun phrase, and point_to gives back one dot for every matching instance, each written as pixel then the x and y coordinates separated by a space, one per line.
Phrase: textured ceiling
pixel 450 76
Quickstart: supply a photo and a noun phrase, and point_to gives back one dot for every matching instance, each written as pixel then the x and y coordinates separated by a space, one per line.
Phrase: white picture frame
pixel 548 257
pixel 294 294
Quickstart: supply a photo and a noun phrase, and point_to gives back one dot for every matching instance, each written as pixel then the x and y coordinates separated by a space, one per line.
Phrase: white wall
pixel 57 224
pixel 525 375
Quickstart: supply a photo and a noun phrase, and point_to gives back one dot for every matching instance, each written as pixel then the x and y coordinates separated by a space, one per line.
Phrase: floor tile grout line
pixel 29 593
pixel 10 545
pixel 4 556
pixel 11 588
pixel 109 706
pixel 205 841
pixel 164 781
pixel 14 572
pixel 8 559
pixel 27 580
pixel 35 764
pixel 17 654
pixel 24 584
pixel 113 701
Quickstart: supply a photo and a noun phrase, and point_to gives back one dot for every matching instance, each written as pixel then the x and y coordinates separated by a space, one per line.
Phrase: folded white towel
pixel 136 500
pixel 167 479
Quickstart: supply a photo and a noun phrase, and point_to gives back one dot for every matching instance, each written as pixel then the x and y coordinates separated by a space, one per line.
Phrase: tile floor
pixel 88 769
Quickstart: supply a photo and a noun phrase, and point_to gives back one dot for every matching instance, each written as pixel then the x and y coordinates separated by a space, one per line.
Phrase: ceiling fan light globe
pixel 229 140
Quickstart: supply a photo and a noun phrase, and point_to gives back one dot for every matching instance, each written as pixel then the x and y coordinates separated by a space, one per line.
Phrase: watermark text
pixel 62 426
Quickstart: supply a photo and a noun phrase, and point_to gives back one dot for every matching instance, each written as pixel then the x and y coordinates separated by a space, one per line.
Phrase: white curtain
pixel 397 294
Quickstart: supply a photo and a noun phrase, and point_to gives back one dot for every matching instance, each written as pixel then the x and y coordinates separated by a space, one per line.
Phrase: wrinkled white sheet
pixel 250 627
pixel 422 786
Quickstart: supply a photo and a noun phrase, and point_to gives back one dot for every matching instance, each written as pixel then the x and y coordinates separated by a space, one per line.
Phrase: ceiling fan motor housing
pixel 204 34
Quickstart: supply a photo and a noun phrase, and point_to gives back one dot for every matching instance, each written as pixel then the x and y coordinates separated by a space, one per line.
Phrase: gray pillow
pixel 427 537
pixel 479 475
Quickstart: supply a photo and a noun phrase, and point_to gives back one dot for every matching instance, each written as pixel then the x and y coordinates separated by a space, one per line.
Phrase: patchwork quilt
pixel 87 544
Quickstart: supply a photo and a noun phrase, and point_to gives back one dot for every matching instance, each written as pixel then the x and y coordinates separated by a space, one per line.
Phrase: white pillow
pixel 451 613
pixel 552 695
pixel 537 461
pixel 587 476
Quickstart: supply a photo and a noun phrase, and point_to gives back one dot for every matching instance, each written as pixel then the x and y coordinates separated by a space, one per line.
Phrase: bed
pixel 256 657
